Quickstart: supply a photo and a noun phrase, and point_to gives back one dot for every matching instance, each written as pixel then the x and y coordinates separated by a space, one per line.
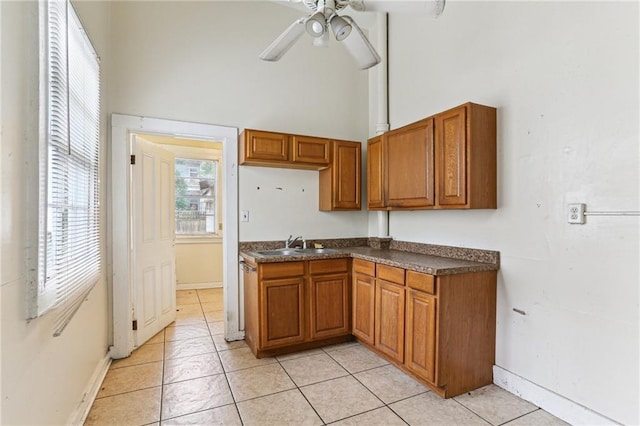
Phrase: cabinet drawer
pixel 364 267
pixel 391 273
pixel 328 266
pixel 422 282
pixel 282 270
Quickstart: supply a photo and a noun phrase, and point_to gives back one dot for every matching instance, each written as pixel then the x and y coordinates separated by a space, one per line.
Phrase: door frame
pixel 121 217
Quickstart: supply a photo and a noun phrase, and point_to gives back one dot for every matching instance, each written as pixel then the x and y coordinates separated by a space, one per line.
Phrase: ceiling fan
pixel 324 16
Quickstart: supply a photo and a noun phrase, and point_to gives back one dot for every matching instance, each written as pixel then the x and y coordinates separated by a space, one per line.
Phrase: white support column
pixel 382 88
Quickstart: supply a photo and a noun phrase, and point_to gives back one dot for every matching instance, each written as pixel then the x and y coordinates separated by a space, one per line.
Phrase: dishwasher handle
pixel 246 267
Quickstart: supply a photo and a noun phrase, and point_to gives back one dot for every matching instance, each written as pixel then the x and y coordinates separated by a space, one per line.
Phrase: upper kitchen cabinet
pixel 466 157
pixel 264 148
pixel 340 182
pixel 273 149
pixel 410 174
pixel 443 162
pixel 310 150
pixel 375 174
pixel 339 163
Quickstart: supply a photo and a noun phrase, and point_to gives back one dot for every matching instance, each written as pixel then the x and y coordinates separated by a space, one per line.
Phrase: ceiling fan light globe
pixel 341 28
pixel 316 25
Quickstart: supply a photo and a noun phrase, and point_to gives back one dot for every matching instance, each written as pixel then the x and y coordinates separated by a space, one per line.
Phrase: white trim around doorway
pixel 122 126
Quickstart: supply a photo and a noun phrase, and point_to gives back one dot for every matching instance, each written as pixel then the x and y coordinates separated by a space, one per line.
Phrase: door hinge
pixel 133 159
pixel 134 325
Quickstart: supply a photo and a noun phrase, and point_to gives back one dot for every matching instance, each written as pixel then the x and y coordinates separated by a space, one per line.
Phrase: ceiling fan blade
pixel 359 46
pixel 294 4
pixel 283 43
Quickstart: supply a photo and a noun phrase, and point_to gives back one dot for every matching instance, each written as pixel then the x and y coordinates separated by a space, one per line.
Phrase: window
pixel 196 201
pixel 69 258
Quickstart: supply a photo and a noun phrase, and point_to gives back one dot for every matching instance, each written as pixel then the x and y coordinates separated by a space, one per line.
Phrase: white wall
pixel 564 77
pixel 43 378
pixel 198 61
pixel 198 263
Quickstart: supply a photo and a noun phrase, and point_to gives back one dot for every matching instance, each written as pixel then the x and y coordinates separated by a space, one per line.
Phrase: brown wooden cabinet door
pixel 310 150
pixel 329 303
pixel 389 319
pixel 282 312
pixel 267 146
pixel 420 334
pixel 375 173
pixel 346 175
pixel 363 307
pixel 340 183
pixel 410 167
pixel 451 154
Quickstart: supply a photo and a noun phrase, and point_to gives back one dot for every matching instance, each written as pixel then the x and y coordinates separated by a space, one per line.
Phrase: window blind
pixel 70 240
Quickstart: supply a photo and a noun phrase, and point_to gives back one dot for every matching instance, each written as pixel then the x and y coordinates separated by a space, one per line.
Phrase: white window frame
pixel 69 259
pixel 197 154
pixel 190 152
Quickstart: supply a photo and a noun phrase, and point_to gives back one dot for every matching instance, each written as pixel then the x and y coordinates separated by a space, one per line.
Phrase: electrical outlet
pixel 244 216
pixel 575 213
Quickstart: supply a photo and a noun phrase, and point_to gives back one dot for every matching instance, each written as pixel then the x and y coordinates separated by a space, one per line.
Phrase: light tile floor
pixel 188 374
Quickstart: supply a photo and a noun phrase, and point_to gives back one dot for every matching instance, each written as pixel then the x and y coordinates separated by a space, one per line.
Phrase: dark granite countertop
pixel 419 262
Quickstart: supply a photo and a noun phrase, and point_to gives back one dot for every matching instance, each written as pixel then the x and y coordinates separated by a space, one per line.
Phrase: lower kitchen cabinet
pixel 389 309
pixel 282 317
pixel 389 319
pixel 329 298
pixel 440 329
pixel 364 296
pixel 296 305
pixel 420 334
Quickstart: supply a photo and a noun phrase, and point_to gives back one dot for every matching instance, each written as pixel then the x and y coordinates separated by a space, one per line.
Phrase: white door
pixel 154 272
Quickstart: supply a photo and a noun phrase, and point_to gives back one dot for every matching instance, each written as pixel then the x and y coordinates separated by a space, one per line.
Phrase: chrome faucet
pixel 291 241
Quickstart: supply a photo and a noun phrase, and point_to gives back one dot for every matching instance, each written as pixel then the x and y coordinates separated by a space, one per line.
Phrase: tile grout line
pixel 195 412
pixel 328 353
pixel 520 416
pixel 300 390
pixel 210 336
pixel 363 385
pixel 226 377
pixel 478 415
pixel 334 378
pixel 472 412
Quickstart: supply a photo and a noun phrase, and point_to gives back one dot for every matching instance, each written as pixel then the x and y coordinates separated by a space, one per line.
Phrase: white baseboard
pixel 81 412
pixel 198 286
pixel 561 407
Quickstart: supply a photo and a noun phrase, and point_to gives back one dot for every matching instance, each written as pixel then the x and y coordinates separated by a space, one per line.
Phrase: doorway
pixel 198 206
pixel 123 285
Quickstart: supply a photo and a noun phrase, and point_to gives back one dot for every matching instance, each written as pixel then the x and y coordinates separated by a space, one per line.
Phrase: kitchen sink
pixel 296 252
pixel 316 251
pixel 288 252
